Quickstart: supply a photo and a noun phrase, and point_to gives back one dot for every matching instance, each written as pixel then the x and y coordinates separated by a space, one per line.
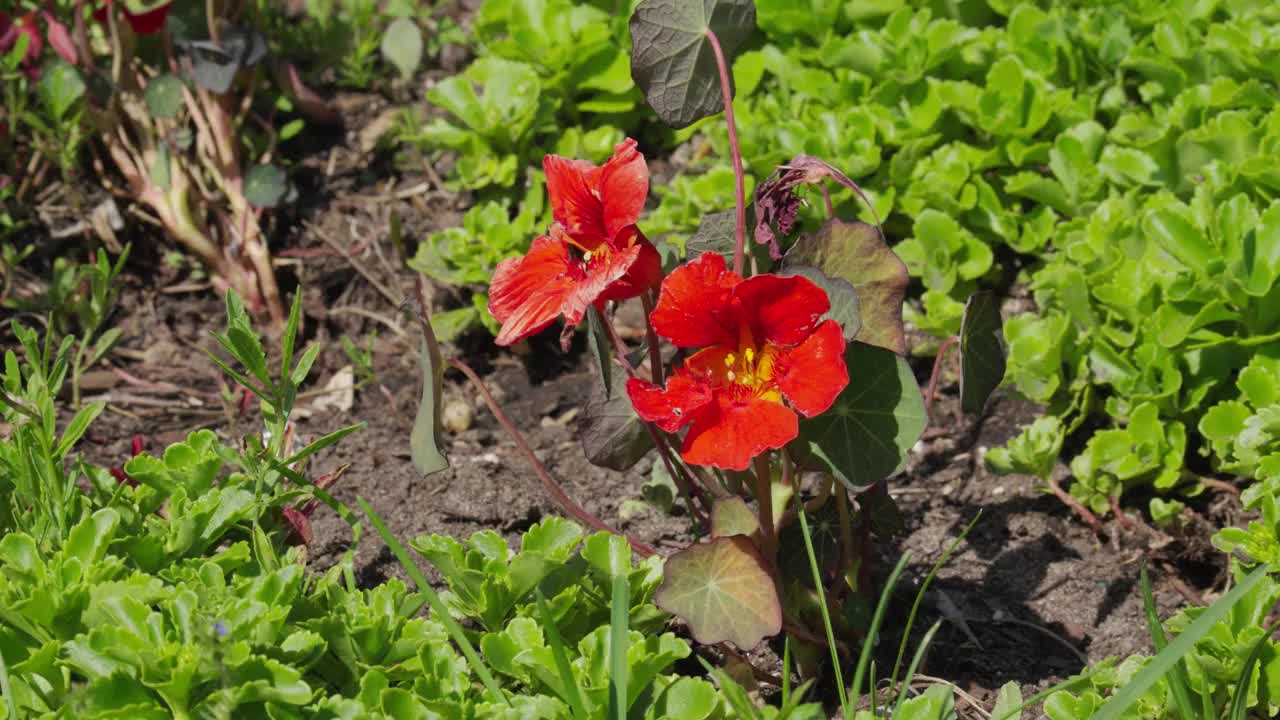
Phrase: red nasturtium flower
pixel 765 347
pixel 144 17
pixel 594 253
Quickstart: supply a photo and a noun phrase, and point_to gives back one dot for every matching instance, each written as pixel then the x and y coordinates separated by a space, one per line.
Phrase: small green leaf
pixel 731 516
pixel 982 351
pixel 856 252
pixel 265 186
pixel 723 591
pixel 672 59
pixel 865 436
pixel 164 96
pixel 402 46
pixel 426 441
pixel 61 87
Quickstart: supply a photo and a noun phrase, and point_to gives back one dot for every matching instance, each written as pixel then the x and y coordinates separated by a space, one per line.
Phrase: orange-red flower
pixel 767 354
pixel 594 253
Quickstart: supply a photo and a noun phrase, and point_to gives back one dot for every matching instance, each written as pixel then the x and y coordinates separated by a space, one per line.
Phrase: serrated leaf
pixel 611 434
pixel 426 439
pixel 731 516
pixel 265 186
pixel 856 252
pixel 983 351
pixel 672 59
pixel 402 46
pixel 723 591
pixel 164 96
pixel 865 436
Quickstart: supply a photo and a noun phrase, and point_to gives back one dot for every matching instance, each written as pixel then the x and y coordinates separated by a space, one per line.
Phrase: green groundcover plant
pixel 1115 158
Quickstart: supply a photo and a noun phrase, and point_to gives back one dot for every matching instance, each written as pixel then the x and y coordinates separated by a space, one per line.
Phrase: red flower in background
pixel 147 18
pixel 11 30
pixel 595 252
pixel 765 348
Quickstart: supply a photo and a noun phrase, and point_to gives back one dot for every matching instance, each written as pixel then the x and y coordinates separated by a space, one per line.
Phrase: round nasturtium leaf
pixel 864 437
pixel 730 516
pixel 672 59
pixel 164 96
pixel 723 591
pixel 982 351
pixel 265 186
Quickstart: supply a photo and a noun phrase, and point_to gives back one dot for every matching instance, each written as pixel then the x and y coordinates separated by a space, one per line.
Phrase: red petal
pixel 573 187
pixel 645 271
pixel 151 21
pixel 624 186
pixel 695 306
pixel 729 434
pixel 672 407
pixel 813 373
pixel 527 293
pixel 60 39
pixel 782 310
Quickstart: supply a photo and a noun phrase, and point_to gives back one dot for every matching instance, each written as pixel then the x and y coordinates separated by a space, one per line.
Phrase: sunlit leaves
pixel 866 434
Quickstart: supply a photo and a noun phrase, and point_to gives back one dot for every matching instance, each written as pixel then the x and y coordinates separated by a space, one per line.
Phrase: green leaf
pixel 402 46
pixel 856 252
pixel 77 427
pixel 1166 659
pixel 865 436
pixel 731 516
pixel 60 87
pixel 265 186
pixel 982 351
pixel 608 553
pixel 164 96
pixel 426 440
pixel 672 59
pixel 601 350
pixel 611 433
pixel 1180 238
pixel 723 591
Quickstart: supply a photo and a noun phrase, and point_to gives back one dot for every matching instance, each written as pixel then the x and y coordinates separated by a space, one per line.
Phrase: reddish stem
pixel 651 338
pixel 739 178
pixel 937 372
pixel 1084 512
pixel 826 196
pixel 548 483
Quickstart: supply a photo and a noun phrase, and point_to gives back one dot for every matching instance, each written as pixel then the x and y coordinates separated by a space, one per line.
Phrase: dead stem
pixel 933 376
pixel 1076 506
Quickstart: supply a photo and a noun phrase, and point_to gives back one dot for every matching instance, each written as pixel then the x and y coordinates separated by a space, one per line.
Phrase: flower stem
pixel 937 371
pixel 735 153
pixel 651 339
pixel 676 470
pixel 553 488
pixel 764 496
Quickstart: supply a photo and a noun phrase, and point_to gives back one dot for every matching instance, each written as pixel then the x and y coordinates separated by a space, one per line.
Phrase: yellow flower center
pixel 753 370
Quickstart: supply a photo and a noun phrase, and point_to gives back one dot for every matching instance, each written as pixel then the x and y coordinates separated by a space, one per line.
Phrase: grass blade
pixel 572 693
pixel 876 620
pixel 1178 681
pixel 1164 661
pixel 1240 698
pixel 6 689
pixel 913 667
pixel 822 604
pixel 786 670
pixel 439 612
pixel 619 625
pixel 924 587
